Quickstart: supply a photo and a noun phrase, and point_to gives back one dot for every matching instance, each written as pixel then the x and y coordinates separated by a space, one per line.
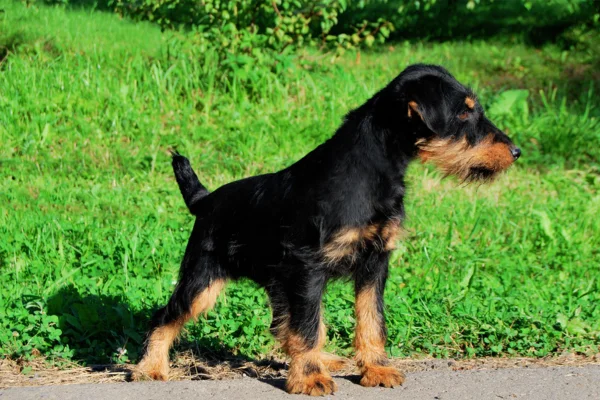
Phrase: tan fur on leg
pixel 308 368
pixel 334 363
pixel 370 343
pixel 155 363
pixel 308 375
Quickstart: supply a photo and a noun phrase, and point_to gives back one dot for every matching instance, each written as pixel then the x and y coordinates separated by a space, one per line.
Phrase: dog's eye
pixel 464 116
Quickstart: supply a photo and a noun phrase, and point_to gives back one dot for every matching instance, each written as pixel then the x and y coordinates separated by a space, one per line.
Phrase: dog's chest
pixel 348 243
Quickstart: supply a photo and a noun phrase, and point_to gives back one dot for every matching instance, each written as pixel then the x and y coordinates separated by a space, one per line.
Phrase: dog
pixel 336 213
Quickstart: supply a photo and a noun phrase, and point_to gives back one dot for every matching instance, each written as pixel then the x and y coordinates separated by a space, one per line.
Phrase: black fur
pixel 189 184
pixel 273 228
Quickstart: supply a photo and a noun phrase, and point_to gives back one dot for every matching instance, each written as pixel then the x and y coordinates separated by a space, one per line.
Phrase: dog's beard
pixel 480 163
pixel 480 174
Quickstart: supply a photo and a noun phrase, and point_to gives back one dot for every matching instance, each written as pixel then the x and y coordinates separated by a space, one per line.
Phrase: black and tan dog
pixel 335 213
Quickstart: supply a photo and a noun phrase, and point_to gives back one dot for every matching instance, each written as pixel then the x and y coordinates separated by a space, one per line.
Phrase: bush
pixel 245 25
pixel 538 20
pixel 248 38
pixel 279 26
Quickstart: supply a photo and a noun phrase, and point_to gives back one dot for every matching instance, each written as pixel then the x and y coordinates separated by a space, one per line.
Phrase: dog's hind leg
pixel 197 291
pixel 371 332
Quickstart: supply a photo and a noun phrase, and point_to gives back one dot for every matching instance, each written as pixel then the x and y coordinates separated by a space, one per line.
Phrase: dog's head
pixel 450 125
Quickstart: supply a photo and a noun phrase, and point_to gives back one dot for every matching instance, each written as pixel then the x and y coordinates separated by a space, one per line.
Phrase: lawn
pixel 93 227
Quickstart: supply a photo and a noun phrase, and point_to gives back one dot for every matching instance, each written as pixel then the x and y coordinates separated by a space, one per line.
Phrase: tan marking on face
pixel 458 157
pixel 496 156
pixel 414 107
pixel 155 363
pixel 470 102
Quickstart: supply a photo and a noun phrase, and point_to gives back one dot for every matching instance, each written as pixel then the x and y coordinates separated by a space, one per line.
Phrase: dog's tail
pixel 189 184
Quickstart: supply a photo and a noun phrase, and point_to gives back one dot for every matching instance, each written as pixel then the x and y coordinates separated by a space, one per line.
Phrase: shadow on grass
pixel 99 329
pixel 105 332
pixel 574 79
pixel 9 44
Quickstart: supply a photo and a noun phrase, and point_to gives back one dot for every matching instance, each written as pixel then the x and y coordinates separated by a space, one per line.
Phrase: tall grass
pixel 93 226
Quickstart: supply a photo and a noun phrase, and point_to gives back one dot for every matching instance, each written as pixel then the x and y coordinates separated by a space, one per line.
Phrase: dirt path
pixel 565 377
pixel 582 382
pixel 40 372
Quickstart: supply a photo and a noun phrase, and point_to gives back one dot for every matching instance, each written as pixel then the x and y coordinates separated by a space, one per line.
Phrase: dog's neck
pixel 365 160
pixel 382 128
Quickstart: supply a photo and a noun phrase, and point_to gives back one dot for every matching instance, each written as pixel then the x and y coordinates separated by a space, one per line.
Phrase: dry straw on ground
pixel 40 371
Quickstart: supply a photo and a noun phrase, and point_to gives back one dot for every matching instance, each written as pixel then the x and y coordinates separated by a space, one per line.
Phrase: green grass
pixel 93 227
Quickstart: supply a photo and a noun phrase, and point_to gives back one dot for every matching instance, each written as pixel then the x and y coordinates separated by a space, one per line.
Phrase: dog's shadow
pixel 106 334
pixel 205 359
pixel 279 383
pixel 98 329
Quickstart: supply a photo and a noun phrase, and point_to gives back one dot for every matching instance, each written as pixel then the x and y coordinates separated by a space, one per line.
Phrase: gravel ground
pixel 544 383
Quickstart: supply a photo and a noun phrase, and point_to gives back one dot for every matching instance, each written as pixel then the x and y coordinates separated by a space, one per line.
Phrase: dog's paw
pixel 376 375
pixel 312 385
pixel 144 372
pixel 334 363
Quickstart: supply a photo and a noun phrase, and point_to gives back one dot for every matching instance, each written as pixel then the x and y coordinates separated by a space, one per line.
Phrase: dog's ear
pixel 413 108
pixel 431 114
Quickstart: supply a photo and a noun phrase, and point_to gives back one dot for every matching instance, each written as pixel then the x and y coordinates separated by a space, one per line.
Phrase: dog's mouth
pixel 481 173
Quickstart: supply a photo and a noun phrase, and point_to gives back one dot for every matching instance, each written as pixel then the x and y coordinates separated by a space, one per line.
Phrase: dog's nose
pixel 516 152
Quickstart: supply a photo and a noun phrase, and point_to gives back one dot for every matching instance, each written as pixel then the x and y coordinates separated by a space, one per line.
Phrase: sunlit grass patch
pixel 93 227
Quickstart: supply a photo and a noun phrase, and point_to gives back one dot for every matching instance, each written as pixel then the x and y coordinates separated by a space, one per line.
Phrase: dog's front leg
pixel 371 332
pixel 299 327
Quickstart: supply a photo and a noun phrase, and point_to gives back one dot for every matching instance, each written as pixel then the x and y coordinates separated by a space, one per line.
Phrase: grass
pixel 93 226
